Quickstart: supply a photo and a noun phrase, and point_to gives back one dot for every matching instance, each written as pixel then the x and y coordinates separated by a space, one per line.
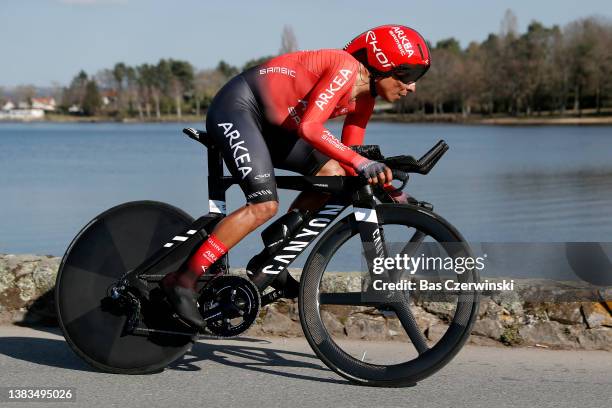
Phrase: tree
pixel 75 93
pixel 157 78
pixel 146 84
pixel 582 37
pixel 206 84
pixel 256 61
pixel 181 82
pixel 509 25
pixel 470 78
pixel 288 40
pixel 133 96
pixel 120 74
pixel 226 69
pixel 92 99
pixel 25 93
pixel 450 44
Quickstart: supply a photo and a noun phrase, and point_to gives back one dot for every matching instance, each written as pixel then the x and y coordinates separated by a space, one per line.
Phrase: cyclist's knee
pixel 331 168
pixel 263 211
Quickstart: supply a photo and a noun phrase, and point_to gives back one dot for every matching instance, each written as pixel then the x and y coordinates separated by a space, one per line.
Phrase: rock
pixel 566 313
pixel 488 328
pixel 483 308
pixel 27 289
pixel 596 339
pixel 367 327
pixel 24 279
pixel 491 309
pixel 443 310
pixel 7 279
pixel 277 323
pixel 551 333
pixel 332 324
pixel 396 330
pixel 483 341
pixel 435 332
pixel 510 302
pixel 553 314
pixel 596 315
pixel 342 282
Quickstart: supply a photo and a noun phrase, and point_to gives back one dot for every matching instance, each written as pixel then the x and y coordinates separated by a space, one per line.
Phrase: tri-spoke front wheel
pixel 385 341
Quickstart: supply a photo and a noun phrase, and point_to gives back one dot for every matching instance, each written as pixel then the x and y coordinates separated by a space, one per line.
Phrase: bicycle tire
pixel 321 340
pixel 112 243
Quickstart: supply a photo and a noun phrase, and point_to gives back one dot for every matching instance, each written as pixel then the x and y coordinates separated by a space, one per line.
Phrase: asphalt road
pixel 257 372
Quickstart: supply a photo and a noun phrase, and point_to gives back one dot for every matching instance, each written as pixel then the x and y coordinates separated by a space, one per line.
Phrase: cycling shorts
pixel 251 149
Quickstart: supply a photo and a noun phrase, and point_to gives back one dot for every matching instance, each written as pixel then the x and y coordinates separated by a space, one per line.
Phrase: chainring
pixel 237 298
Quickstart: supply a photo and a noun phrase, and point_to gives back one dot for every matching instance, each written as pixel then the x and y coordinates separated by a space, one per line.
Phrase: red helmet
pixel 391 50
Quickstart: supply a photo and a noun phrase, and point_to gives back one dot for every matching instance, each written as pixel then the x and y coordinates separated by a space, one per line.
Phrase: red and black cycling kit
pixel 273 115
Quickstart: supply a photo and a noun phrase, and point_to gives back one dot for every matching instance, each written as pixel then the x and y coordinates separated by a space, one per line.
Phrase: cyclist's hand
pixel 374 172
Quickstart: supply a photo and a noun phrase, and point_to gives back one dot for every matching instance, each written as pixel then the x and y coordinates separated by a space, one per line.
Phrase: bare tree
pixel 470 78
pixel 56 91
pixel 207 83
pixel 133 96
pixel 509 25
pixel 288 41
pixel 582 38
pixel 25 93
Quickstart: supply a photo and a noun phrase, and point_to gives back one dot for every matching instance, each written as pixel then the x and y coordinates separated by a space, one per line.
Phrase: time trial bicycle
pixel 114 315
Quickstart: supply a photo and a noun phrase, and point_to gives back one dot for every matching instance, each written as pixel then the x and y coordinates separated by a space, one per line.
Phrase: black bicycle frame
pixel 344 191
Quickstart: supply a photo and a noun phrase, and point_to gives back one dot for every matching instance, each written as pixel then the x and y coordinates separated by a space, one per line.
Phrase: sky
pixel 49 41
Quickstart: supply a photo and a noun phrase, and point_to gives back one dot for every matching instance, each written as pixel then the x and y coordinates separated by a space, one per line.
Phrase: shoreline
pixel 604 120
pixel 448 119
pixel 539 313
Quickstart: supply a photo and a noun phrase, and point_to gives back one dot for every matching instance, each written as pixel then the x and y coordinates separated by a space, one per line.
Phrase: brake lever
pixel 402 176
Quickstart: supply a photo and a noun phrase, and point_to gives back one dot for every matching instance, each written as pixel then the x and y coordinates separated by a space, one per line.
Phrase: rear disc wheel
pixel 93 324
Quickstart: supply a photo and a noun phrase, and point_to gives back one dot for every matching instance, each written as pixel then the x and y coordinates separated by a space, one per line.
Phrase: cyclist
pixel 273 116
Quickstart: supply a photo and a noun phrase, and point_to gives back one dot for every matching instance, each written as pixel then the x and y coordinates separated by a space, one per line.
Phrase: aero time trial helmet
pixel 391 50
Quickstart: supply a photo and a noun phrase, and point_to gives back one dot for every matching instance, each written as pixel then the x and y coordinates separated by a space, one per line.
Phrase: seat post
pixel 216 190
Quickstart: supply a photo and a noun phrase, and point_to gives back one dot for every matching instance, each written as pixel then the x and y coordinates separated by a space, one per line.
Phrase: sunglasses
pixel 409 73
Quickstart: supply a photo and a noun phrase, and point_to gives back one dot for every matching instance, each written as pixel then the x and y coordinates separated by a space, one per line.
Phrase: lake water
pixel 496 184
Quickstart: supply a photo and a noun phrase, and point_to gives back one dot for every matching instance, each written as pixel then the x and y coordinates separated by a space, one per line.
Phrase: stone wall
pixel 26 295
pixel 26 288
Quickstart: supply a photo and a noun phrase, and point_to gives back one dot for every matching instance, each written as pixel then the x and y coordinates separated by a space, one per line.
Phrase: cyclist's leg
pixel 313 200
pixel 233 123
pixel 247 158
pixel 297 155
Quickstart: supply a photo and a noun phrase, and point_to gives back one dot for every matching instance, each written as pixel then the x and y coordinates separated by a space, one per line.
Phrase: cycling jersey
pixel 273 115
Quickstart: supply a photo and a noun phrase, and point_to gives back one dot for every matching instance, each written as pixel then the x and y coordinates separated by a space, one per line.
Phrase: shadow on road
pixel 49 352
pixel 254 355
pixel 263 360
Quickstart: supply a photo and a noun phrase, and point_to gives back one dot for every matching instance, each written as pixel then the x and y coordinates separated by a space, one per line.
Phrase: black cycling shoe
pixel 183 301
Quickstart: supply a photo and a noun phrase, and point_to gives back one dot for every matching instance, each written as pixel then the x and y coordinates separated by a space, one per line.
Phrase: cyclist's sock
pixel 210 251
pixel 206 255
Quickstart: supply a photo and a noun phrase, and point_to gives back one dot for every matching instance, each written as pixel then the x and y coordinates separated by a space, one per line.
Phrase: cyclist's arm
pixel 355 124
pixel 339 78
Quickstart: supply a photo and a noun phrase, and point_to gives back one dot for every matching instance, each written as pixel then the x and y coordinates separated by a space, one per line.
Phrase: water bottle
pixel 276 235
